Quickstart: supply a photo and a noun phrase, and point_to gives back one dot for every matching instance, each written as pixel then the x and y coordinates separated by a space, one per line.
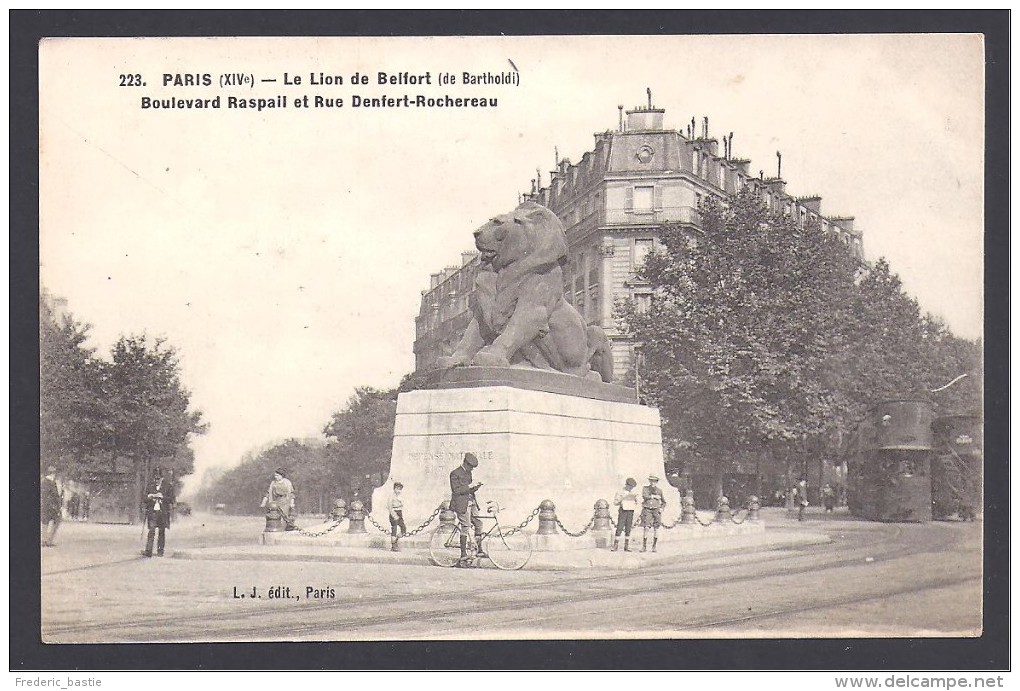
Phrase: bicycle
pixel 508 551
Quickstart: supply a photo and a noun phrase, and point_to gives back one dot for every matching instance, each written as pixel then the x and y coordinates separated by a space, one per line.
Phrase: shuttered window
pixel 644 198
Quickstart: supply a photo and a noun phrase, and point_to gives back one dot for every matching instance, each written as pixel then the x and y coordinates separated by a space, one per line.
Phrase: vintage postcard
pixel 642 337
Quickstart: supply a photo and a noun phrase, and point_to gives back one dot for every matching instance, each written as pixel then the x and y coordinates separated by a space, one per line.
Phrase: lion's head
pixel 530 236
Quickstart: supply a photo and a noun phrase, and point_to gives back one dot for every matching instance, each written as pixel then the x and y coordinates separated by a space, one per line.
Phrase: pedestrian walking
pixel 159 501
pixel 652 503
pixel 627 500
pixel 50 501
pixel 800 495
pixel 828 497
pixel 395 506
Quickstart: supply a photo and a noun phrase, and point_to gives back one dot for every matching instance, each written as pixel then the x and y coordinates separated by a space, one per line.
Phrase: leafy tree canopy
pixel 764 331
pixel 92 411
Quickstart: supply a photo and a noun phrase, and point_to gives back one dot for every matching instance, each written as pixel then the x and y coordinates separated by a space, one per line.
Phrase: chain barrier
pixel 520 526
pixel 387 531
pixel 670 526
pixel 378 527
pixel 583 531
pixel 333 526
pixel 427 522
pixel 523 524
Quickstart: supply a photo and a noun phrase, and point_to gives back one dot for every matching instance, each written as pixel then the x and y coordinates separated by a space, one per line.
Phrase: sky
pixel 283 252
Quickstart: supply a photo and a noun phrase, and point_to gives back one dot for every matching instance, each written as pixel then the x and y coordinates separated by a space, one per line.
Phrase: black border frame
pixel 27 653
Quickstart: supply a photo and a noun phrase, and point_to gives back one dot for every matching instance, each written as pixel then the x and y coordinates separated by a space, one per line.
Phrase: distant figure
pixel 395 506
pixel 159 501
pixel 464 504
pixel 281 491
pixel 828 497
pixel 652 503
pixel 628 503
pixel 50 501
pixel 800 496
pixel 85 506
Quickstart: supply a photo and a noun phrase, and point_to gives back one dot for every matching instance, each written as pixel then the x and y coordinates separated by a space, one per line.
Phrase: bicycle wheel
pixel 444 547
pixel 508 551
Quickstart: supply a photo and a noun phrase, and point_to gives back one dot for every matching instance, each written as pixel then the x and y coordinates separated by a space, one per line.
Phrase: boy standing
pixel 652 503
pixel 396 508
pixel 628 502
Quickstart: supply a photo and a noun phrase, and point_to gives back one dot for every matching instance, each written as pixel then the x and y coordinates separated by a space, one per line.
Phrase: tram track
pixel 710 571
pixel 830 604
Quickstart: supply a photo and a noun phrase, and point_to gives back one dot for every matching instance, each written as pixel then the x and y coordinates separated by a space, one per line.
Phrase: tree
pixel 362 435
pixel 358 442
pixel 149 419
pixel 766 334
pixel 744 335
pixel 71 405
pixel 241 488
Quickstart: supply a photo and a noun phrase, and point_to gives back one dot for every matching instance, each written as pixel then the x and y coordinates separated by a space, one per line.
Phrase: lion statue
pixel 519 316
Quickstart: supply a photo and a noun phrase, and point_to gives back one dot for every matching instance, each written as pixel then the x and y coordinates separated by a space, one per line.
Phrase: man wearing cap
pixel 652 503
pixel 159 499
pixel 281 491
pixel 464 504
pixel 49 505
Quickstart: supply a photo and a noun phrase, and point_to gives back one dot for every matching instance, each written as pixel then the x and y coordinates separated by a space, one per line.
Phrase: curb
pixel 540 561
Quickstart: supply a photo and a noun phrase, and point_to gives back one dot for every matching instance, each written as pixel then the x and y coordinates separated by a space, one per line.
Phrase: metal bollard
pixel 722 510
pixel 753 505
pixel 339 510
pixel 688 514
pixel 446 515
pixel 602 521
pixel 547 518
pixel 357 517
pixel 274 518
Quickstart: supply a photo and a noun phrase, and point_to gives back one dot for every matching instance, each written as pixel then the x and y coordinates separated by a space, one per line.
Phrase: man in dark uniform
pixel 463 503
pixel 49 505
pixel 159 499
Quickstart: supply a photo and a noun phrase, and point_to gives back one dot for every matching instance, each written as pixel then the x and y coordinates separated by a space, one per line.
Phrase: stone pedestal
pixel 574 444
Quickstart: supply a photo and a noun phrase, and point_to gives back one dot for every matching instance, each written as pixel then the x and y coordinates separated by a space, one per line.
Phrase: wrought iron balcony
pixel 667 214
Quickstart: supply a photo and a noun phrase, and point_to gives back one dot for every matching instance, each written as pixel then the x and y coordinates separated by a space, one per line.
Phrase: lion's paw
pixel 450 361
pixel 489 359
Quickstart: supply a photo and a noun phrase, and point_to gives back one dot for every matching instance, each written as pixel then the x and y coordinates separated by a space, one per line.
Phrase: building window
pixel 642 302
pixel 644 199
pixel 591 312
pixel 642 247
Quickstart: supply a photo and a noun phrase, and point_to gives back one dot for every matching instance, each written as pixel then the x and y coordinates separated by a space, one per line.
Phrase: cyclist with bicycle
pixel 464 504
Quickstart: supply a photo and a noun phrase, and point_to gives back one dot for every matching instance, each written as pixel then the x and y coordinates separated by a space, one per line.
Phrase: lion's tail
pixel 600 353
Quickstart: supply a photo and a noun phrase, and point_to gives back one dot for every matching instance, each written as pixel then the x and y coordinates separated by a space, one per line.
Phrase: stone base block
pixel 531 445
pixel 338 538
pixel 697 531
